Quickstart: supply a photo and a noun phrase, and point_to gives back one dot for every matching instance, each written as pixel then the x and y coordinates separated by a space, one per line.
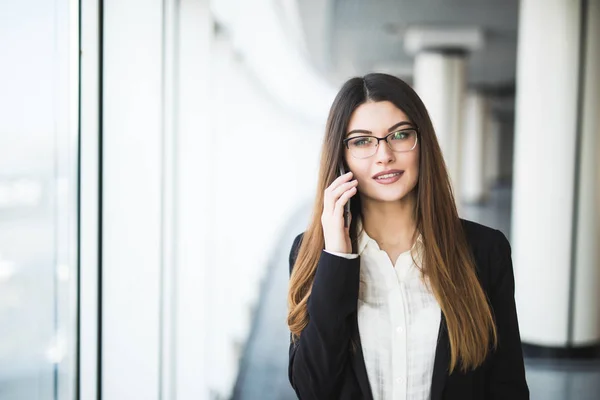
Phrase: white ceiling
pixel 354 37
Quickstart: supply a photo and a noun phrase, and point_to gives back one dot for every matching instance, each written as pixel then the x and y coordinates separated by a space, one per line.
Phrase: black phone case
pixel 347 205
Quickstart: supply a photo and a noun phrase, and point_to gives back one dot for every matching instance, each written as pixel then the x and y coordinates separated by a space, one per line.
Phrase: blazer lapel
pixel 442 360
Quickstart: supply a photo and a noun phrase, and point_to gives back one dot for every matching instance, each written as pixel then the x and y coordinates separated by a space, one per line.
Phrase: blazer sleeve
pixel 318 358
pixel 506 373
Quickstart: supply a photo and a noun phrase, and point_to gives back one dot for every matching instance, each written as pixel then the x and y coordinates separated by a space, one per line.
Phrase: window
pixel 38 199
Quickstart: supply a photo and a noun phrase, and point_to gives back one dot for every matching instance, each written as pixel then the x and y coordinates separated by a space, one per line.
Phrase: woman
pixel 409 301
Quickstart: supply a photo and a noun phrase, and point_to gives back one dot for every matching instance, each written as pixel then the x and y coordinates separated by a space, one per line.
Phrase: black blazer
pixel 322 366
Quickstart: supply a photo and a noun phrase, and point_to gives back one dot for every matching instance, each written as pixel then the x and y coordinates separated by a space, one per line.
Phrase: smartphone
pixel 347 205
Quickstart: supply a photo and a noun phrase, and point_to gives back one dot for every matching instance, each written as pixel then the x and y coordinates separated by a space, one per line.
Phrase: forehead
pixel 376 117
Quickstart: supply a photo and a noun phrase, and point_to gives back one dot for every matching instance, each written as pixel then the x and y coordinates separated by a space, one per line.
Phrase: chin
pixel 389 197
pixel 391 194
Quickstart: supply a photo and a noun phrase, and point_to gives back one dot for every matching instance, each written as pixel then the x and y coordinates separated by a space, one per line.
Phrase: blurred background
pixel 157 158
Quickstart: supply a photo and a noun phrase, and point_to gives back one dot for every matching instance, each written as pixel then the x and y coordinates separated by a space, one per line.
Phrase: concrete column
pixel 507 145
pixel 473 182
pixel 586 282
pixel 440 81
pixel 492 152
pixel 555 223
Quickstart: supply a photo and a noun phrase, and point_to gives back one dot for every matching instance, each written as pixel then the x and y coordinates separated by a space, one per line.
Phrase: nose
pixel 384 153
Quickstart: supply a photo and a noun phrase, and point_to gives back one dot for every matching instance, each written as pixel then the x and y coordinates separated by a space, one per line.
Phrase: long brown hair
pixel 447 260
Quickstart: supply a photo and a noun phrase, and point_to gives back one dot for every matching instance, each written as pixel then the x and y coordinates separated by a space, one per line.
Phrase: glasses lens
pixel 403 140
pixel 362 147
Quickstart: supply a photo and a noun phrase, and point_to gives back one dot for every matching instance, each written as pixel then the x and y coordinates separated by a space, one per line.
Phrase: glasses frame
pixel 416 129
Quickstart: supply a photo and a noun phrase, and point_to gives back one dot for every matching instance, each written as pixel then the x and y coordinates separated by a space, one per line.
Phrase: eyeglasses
pixel 366 146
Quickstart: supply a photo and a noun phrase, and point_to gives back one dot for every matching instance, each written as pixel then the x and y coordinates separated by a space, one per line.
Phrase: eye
pixel 401 135
pixel 360 142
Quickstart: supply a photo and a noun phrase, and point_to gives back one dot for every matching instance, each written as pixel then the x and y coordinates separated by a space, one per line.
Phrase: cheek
pixel 359 171
pixel 416 169
pixel 362 177
pixel 415 164
pixel 415 173
pixel 413 177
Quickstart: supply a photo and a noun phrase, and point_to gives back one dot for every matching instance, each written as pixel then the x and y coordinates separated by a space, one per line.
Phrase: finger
pixel 340 180
pixel 343 187
pixel 330 195
pixel 341 202
pixel 334 196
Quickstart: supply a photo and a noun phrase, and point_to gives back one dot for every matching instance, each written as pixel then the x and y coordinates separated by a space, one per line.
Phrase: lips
pixel 388 172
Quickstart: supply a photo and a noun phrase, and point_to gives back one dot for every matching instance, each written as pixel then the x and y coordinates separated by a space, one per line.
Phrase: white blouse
pixel 398 321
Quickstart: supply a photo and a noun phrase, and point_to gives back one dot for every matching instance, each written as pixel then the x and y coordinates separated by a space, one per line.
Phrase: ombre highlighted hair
pixel 447 259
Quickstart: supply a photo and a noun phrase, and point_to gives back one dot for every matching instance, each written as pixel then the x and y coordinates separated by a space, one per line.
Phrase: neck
pixel 390 223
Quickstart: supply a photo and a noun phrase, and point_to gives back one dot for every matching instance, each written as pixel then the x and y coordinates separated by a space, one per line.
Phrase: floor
pixel 263 371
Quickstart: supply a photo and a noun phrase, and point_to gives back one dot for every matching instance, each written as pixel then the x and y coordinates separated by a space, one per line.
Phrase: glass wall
pixel 38 199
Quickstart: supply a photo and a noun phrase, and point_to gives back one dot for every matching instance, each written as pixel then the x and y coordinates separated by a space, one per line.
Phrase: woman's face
pixel 379 119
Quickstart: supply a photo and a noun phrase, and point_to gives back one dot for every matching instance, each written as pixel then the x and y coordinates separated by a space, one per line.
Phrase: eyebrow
pixel 390 129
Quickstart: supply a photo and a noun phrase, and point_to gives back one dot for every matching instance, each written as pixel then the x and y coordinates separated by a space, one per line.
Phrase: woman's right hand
pixel 337 237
